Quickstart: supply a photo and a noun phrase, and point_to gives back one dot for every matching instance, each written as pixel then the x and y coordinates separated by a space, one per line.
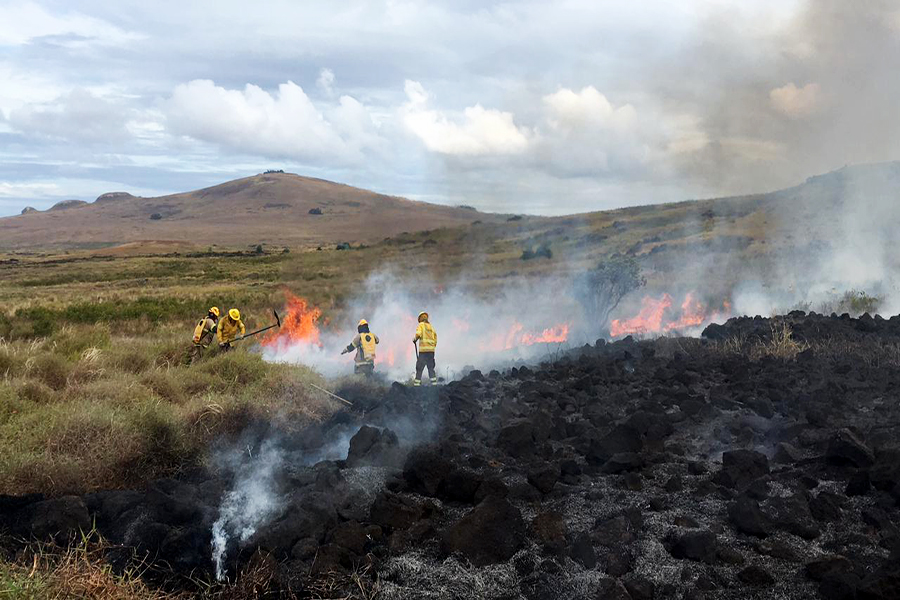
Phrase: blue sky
pixel 521 106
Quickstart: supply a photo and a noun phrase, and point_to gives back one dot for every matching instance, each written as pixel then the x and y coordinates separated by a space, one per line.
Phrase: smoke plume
pixel 251 503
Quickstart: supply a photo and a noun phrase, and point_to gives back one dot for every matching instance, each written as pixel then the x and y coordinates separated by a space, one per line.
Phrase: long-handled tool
pixel 252 333
pixel 347 402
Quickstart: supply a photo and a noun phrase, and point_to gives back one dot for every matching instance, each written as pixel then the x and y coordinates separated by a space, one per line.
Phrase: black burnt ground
pixel 665 469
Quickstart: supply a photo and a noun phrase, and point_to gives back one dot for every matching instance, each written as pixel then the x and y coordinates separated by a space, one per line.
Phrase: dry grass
pixel 780 344
pixel 873 353
pixel 52 573
pixel 80 572
pixel 88 423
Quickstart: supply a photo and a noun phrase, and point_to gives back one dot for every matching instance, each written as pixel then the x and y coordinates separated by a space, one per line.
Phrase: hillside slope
pixel 271 208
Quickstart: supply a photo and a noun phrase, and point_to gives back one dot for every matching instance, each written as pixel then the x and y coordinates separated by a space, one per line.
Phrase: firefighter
pixel 204 333
pixel 228 329
pixel 364 344
pixel 426 336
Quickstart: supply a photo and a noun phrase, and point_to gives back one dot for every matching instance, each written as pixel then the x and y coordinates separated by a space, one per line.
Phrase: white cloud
pixel 582 134
pixel 77 116
pixel 28 190
pixel 281 124
pixel 571 111
pixel 477 132
pixel 796 102
pixel 21 23
pixel 325 82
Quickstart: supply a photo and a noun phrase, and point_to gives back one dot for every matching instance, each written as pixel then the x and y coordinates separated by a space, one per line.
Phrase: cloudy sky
pixel 516 106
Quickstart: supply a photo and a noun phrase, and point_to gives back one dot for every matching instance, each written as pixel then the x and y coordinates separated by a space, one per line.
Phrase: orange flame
pixel 551 335
pixel 517 336
pixel 300 324
pixel 655 316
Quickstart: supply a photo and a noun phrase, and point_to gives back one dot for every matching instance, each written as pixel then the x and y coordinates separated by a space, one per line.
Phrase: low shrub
pixel 10 361
pixel 164 445
pixel 237 367
pixel 195 382
pixel 52 369
pixel 36 391
pixel 72 341
pixel 122 392
pixel 129 359
pixel 164 385
pixel 543 251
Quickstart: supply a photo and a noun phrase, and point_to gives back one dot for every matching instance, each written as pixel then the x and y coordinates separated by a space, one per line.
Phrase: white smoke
pixel 251 503
pixel 523 321
pixel 837 234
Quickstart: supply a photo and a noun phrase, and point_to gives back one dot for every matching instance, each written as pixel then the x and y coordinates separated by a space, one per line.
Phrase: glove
pixel 345 351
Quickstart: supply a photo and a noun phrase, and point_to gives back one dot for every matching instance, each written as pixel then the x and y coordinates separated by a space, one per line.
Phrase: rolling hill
pixel 273 208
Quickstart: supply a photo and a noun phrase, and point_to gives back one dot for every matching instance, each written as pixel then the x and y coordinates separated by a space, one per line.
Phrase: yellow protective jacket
pixel 426 336
pixel 365 348
pixel 228 329
pixel 204 332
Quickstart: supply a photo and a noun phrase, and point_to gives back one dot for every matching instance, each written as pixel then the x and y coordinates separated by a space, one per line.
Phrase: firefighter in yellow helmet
pixel 364 344
pixel 204 333
pixel 426 336
pixel 228 329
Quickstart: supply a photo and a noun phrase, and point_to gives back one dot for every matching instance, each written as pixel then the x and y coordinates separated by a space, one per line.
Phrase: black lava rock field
pixel 760 461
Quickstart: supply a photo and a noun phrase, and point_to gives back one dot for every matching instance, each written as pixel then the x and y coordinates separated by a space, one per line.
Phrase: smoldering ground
pixel 264 464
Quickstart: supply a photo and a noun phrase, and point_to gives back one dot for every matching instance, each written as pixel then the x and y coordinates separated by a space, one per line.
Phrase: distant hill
pixel 66 204
pixel 272 208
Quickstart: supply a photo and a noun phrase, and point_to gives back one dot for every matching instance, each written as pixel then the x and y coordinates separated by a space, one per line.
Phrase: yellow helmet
pixel 423 316
pixel 214 310
pixel 362 322
pixel 235 314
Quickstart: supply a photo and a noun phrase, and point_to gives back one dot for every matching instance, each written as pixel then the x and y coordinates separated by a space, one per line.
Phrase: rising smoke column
pixel 251 503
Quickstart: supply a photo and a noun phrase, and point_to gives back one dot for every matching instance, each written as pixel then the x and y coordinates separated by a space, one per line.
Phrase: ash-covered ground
pixel 674 468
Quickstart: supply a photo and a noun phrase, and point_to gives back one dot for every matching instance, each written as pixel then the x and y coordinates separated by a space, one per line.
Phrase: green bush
pixel 164 385
pixel 853 302
pixel 9 361
pixel 130 359
pixel 5 326
pixel 165 446
pixel 195 382
pixel 235 368
pixel 52 369
pixel 37 321
pixel 36 391
pixel 543 251
pixel 73 341
pixel 858 302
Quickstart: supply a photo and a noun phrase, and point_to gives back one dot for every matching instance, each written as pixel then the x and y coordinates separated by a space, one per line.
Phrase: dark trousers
pixel 426 359
pixel 364 368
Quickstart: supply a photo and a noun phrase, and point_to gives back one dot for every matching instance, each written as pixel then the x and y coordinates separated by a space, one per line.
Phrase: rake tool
pixel 252 333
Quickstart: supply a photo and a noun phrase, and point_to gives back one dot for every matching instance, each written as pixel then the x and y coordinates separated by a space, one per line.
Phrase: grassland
pixel 94 389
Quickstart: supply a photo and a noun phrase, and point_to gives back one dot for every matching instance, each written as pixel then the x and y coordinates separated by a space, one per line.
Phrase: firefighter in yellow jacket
pixel 364 344
pixel 426 336
pixel 204 333
pixel 228 329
